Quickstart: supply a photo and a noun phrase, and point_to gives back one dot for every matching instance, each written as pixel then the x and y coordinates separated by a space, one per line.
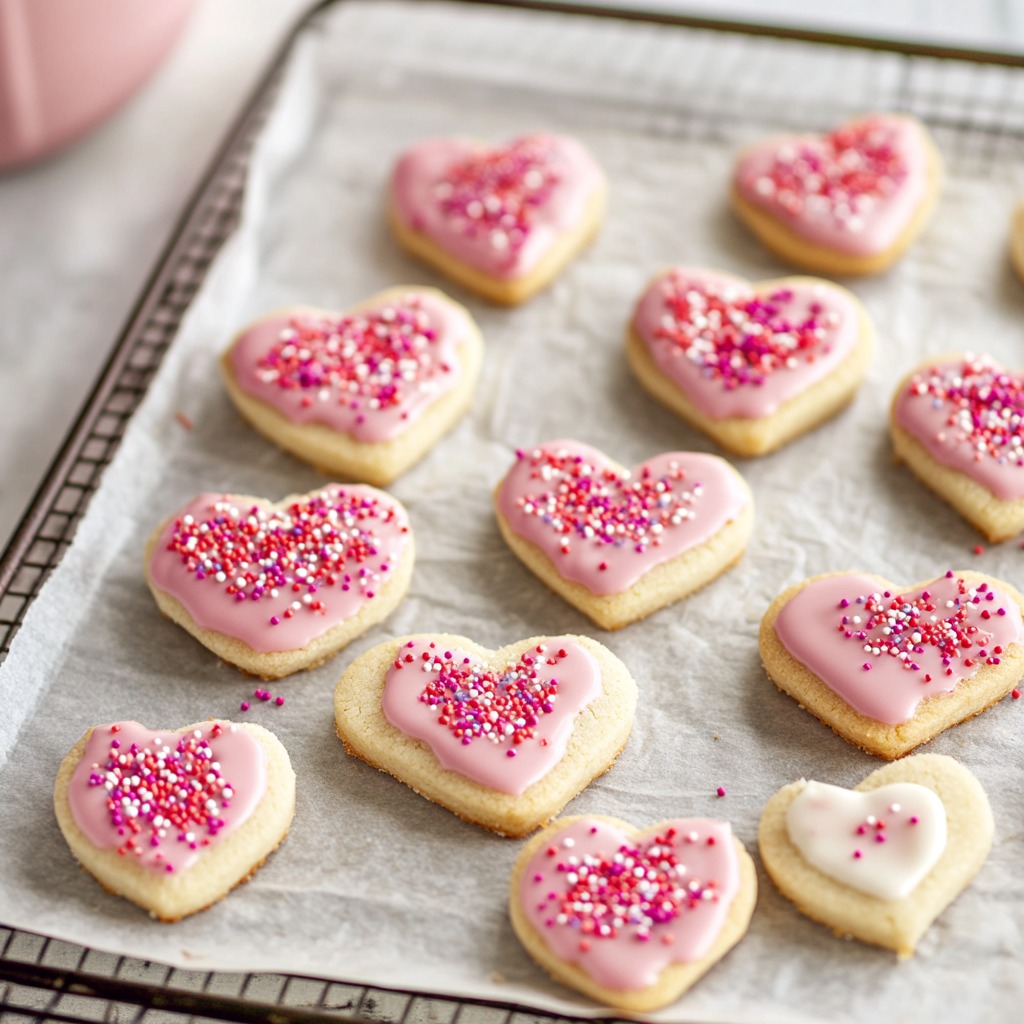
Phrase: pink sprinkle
pixel 857 855
pixel 244 706
pixel 279 701
pixel 720 791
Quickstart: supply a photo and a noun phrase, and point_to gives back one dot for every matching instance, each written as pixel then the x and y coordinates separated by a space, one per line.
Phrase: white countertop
pixel 82 230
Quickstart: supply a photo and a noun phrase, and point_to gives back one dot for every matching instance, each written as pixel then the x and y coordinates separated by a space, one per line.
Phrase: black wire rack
pixel 43 979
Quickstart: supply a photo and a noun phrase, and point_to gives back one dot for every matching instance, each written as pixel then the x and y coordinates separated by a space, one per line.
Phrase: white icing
pixel 837 831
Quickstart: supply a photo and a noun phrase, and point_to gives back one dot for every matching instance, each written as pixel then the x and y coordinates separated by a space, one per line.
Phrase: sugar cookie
pixel 849 202
pixel 620 544
pixel 274 588
pixel 750 365
pixel 502 221
pixel 882 861
pixel 118 801
pixel 504 739
pixel 890 667
pixel 643 944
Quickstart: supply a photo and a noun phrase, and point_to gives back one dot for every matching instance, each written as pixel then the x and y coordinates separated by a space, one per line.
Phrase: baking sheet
pixel 372 876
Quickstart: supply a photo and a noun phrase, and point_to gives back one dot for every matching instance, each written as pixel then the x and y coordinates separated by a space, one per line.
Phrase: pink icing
pixel 504 727
pixel 739 351
pixel 937 636
pixel 854 190
pixel 369 374
pixel 496 209
pixel 278 577
pixel 604 527
pixel 968 413
pixel 162 797
pixel 626 930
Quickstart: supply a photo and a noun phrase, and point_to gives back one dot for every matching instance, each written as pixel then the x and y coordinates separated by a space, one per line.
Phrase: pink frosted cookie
pixel 879 862
pixel 119 802
pixel 504 739
pixel 890 667
pixel 503 221
pixel 619 544
pixel 274 588
pixel 751 365
pixel 642 944
pixel 958 423
pixel 849 202
pixel 363 394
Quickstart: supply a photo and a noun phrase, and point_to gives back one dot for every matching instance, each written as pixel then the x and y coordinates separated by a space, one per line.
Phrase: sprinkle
pixel 279 701
pixel 501 706
pixel 979 549
pixel 495 193
pixel 328 541
pixel 738 337
pixel 983 407
pixel 244 706
pixel 840 176
pixel 1015 694
pixel 720 791
pixel 184 421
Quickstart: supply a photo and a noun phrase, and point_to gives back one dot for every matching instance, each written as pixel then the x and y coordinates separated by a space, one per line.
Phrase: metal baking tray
pixel 48 980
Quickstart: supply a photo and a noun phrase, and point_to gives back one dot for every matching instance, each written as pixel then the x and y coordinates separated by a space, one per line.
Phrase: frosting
pixel 161 798
pixel 882 842
pixel 605 527
pixel 739 351
pixel 369 374
pixel 623 907
pixel 277 577
pixel 968 413
pixel 883 652
pixel 854 190
pixel 503 727
pixel 496 209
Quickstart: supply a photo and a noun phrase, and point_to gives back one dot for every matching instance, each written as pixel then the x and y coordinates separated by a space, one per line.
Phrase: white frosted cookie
pixel 119 803
pixel 364 394
pixel 619 544
pixel 640 946
pixel 957 421
pixel 848 202
pixel 274 588
pixel 504 739
pixel 889 667
pixel 882 861
pixel 503 221
pixel 751 365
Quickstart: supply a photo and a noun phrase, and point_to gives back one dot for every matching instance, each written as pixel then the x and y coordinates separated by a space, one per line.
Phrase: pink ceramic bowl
pixel 65 65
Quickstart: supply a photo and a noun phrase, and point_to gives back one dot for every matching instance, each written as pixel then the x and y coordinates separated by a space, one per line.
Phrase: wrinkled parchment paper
pixel 374 884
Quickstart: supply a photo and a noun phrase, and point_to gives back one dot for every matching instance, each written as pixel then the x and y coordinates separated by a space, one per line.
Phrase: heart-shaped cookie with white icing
pixel 674 899
pixel 957 421
pixel 751 365
pixel 505 220
pixel 618 544
pixel 173 819
pixel 364 394
pixel 890 667
pixel 505 738
pixel 847 202
pixel 274 588
pixel 879 862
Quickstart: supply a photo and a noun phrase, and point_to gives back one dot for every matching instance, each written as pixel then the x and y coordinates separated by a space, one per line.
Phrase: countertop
pixel 80 231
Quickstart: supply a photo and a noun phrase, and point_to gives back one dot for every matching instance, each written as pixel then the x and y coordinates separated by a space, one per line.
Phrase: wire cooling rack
pixel 976 99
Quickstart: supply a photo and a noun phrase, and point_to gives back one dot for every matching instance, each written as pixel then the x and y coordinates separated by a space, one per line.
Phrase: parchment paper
pixel 374 884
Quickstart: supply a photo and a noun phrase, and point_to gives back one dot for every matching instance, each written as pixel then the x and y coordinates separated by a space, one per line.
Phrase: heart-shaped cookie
pixel 505 738
pixel 273 588
pixel 618 544
pixel 632 918
pixel 882 861
pixel 363 394
pixel 848 202
pixel 958 423
pixel 751 365
pixel 503 221
pixel 172 819
pixel 890 667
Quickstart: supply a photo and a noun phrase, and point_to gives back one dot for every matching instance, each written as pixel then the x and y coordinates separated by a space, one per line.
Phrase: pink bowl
pixel 65 65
